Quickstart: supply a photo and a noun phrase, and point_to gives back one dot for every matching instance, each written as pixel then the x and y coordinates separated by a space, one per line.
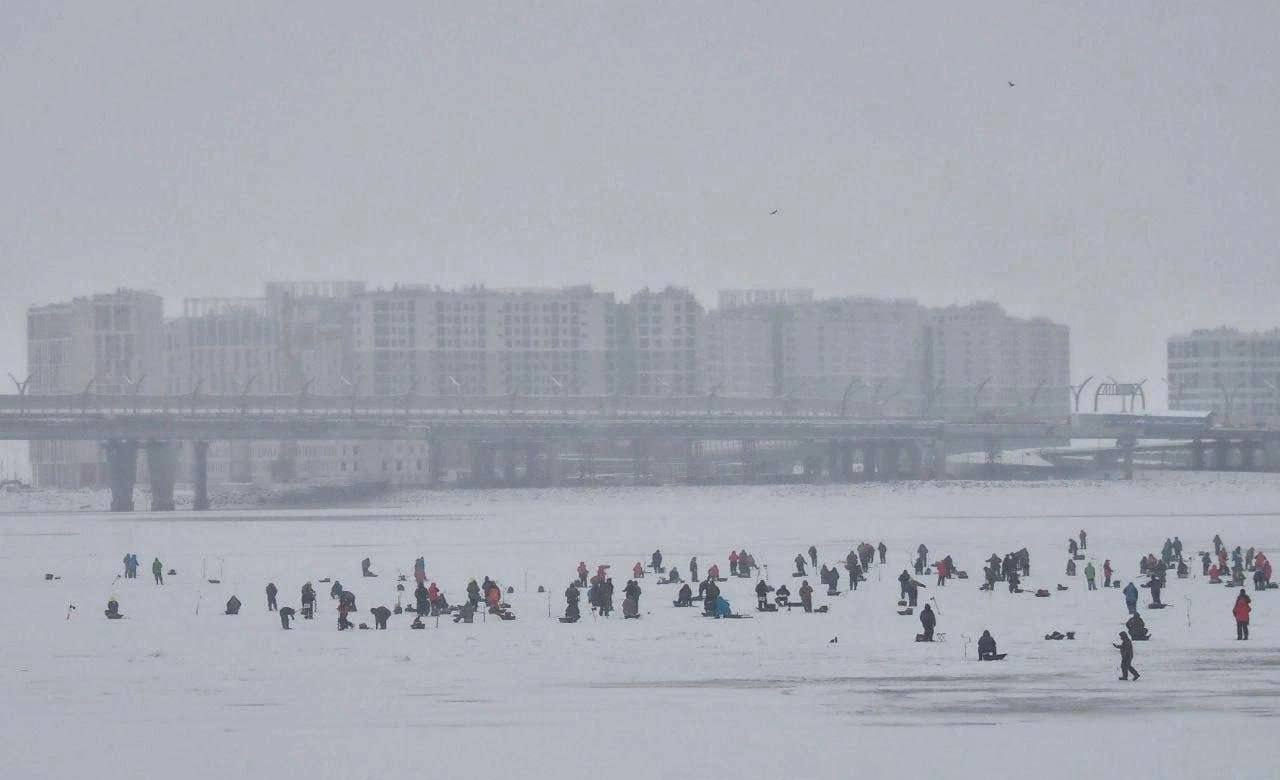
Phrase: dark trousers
pixel 1242 630
pixel 159 579
pixel 271 603
pixel 1092 585
pixel 1126 668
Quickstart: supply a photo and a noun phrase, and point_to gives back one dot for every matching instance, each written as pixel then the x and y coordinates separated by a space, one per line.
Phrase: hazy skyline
pixel 1125 185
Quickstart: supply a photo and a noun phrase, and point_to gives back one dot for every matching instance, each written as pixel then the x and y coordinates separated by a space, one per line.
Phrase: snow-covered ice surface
pixel 170 693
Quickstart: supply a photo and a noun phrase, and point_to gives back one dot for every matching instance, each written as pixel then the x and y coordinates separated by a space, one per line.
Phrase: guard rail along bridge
pixel 516 440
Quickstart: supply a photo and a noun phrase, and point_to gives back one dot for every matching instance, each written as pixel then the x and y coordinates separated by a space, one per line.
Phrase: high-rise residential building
pixel 110 344
pixel 1234 374
pixel 743 351
pixel 655 342
pixel 980 358
pixel 224 346
pixel 314 326
pixel 482 342
pixel 871 348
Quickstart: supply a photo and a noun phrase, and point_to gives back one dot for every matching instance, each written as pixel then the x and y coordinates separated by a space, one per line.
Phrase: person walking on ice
pixel 157 571
pixel 1126 657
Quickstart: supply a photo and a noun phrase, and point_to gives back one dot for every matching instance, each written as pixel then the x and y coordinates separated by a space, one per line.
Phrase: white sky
pixel 1127 185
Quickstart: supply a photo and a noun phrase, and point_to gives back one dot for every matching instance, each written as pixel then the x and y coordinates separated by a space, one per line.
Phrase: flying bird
pixel 1011 83
pixel 834 640
pixel 771 213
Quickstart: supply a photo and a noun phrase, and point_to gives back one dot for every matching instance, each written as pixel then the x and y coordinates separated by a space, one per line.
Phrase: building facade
pixel 1232 373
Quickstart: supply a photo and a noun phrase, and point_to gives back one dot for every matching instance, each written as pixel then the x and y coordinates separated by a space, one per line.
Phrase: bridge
pixel 507 436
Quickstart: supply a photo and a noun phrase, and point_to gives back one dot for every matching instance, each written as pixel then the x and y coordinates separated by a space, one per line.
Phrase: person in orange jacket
pixel 1241 612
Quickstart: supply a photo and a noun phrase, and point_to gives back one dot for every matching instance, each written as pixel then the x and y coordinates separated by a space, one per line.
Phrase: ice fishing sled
pixel 907 611
pixel 1042 594
pixel 1078 557
pixel 767 608
pixel 1062 587
pixel 996 657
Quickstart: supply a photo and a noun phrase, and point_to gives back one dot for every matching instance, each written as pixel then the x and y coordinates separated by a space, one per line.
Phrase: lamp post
pixel 844 399
pixel 1078 390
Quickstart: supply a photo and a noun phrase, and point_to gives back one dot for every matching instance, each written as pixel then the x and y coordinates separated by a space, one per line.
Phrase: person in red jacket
pixel 1106 573
pixel 1214 575
pixel 714 572
pixel 582 573
pixel 1241 612
pixel 637 571
pixel 733 563
pixel 941 567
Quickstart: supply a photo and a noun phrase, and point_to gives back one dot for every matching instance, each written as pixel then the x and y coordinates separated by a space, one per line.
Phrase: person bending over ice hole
pixel 986 647
pixel 365 570
pixel 782 597
pixel 685 597
pixel 571 596
pixel 286 614
pixel 233 606
pixel 271 596
pixel 927 621
pixel 1137 628
pixel 1071 567
pixel 1126 657
pixel 1241 613
pixel 380 615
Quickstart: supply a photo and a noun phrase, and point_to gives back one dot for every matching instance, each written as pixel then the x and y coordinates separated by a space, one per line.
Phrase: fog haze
pixel 1125 185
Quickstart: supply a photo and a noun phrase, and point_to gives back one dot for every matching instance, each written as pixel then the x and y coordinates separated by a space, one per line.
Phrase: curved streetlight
pixel 848 389
pixel 1078 390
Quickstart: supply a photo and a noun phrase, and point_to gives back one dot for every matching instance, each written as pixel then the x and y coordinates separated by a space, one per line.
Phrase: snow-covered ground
pixel 169 693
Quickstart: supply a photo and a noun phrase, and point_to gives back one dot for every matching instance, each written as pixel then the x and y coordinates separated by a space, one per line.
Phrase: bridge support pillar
pixel 551 473
pixel 435 461
pixel 1247 455
pixel 200 475
pixel 835 465
pixel 1271 454
pixel 122 472
pixel 640 459
pixel 162 470
pixel 940 458
pixel 915 460
pixel 750 464
pixel 482 463
pixel 1221 454
pixel 532 468
pixel 1197 455
pixel 870 461
pixel 695 464
pixel 892 460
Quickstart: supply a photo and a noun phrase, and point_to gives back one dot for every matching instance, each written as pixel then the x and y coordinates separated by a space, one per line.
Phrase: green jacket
pixel 156 568
pixel 1089 571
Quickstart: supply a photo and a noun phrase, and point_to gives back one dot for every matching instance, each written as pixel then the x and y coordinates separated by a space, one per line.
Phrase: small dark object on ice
pixel 921 638
pixel 215 582
pixel 48 577
pixel 326 579
pixel 1042 594
pixel 510 589
pixel 402 578
pixel 907 611
pixel 1062 587
pixel 171 573
pixel 541 589
pixel 996 657
pixel 767 608
pixel 1055 636
pixel 1157 606
pixel 400 588
pixel 962 575
pixel 834 640
pixel 398 610
pixel 902 603
pixel 363 626
pixel 417 624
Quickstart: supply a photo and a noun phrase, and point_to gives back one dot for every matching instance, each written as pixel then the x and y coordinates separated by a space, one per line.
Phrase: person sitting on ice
pixel 1071 567
pixel 1215 575
pixel 637 571
pixel 685 597
pixel 927 621
pixel 365 571
pixel 782 596
pixel 630 609
pixel 1183 571
pixel 673 576
pixel 233 606
pixel 986 647
pixel 721 609
pixel 714 571
pixel 1137 627
pixel 113 610
pixel 571 596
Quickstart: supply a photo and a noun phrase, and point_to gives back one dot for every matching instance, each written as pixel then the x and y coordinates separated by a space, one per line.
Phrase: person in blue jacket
pixel 722 608
pixel 1131 598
